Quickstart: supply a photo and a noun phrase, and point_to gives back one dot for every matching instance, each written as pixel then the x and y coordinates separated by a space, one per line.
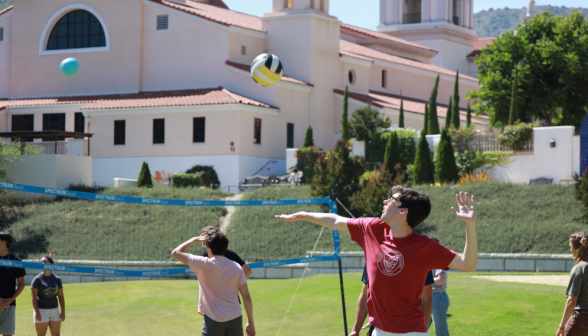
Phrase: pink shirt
pixel 219 279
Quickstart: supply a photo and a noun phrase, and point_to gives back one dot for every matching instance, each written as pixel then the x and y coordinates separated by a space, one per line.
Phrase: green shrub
pixel 375 188
pixel 376 147
pixel 209 176
pixel 307 157
pixel 423 165
pixel 144 179
pixel 180 180
pixel 84 188
pixel 468 161
pixel 516 136
pixel 308 139
pixel 338 172
pixel 392 155
pixel 445 167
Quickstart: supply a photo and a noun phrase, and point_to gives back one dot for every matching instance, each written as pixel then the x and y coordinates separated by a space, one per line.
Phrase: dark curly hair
pixel 6 236
pixel 417 203
pixel 218 243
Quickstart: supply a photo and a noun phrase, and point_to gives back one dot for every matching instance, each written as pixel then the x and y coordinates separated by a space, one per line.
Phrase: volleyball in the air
pixel 69 66
pixel 266 70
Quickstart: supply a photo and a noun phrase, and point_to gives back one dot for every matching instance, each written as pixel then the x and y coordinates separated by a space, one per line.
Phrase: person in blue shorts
pixel 361 310
pixel 8 293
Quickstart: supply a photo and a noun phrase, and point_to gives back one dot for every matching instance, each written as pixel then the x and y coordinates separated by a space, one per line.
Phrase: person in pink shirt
pixel 398 259
pixel 220 281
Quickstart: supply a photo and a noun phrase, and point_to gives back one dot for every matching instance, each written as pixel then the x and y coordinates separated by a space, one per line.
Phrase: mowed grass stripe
pixel 479 307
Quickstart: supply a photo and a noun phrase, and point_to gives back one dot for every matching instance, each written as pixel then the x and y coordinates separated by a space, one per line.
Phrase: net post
pixel 337 243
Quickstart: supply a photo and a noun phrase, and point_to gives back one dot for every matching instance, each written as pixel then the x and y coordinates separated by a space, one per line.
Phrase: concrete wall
pixel 556 163
pixel 51 171
pixel 351 262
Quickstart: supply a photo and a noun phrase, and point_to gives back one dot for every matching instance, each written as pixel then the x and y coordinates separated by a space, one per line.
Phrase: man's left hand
pixel 467 211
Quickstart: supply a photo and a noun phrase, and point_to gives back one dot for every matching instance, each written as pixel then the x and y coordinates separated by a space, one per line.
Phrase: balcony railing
pixel 486 143
pixel 456 20
pixel 59 147
pixel 412 18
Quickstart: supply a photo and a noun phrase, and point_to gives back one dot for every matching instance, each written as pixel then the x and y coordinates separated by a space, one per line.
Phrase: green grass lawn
pixel 478 307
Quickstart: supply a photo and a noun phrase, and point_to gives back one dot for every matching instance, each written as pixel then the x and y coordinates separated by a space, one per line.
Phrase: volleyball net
pixel 74 225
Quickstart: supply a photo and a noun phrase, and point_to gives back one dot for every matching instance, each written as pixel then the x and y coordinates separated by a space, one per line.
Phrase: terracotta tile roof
pixel 216 14
pixel 196 97
pixel 392 101
pixel 383 36
pixel 480 44
pixel 345 53
pixel 217 3
pixel 353 48
pixel 247 67
pixel 6 10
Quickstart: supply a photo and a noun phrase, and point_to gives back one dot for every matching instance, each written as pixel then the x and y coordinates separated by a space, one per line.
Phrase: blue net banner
pixel 159 272
pixel 154 201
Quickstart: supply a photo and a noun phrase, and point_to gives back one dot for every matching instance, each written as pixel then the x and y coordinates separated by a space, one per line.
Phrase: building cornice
pixel 282 84
pixel 428 73
pixel 356 61
pixel 183 109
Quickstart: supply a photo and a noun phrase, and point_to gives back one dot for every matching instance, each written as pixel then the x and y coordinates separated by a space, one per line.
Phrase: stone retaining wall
pixel 351 262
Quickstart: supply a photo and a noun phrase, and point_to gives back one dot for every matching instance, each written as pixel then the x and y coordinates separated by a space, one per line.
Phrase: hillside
pixel 493 22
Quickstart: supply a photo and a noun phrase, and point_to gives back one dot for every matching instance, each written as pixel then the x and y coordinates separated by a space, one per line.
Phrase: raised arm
pixel 330 221
pixel 467 261
pixel 179 253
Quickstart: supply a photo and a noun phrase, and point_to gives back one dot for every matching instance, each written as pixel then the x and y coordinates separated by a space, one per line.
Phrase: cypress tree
pixel 469 117
pixel 426 123
pixel 144 179
pixel 401 117
pixel 448 115
pixel 445 166
pixel 423 166
pixel 455 112
pixel 514 111
pixel 433 119
pixel 308 139
pixel 392 154
pixel 345 119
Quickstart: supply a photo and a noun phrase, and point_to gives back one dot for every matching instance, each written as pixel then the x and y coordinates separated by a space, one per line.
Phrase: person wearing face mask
pixel 46 289
pixel 399 258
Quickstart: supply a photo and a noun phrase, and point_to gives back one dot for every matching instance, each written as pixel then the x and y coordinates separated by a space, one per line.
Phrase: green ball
pixel 69 66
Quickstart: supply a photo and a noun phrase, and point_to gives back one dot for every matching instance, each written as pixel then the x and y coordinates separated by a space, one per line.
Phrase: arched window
pixel 77 29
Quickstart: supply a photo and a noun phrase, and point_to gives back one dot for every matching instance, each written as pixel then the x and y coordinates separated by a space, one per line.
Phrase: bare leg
pixel 41 328
pixel 55 328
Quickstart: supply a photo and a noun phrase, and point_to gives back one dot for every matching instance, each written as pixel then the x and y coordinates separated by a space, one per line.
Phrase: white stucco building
pixel 168 82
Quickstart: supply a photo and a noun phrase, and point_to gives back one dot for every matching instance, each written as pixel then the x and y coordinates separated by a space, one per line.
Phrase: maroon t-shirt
pixel 397 269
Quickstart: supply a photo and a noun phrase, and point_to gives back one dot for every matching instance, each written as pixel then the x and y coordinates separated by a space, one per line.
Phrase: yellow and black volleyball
pixel 266 70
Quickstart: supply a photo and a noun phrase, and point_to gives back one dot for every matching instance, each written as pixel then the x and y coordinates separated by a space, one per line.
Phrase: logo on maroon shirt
pixel 390 262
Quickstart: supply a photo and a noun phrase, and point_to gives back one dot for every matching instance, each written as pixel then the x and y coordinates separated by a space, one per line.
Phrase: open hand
pixel 291 218
pixel 467 212
pixel 200 239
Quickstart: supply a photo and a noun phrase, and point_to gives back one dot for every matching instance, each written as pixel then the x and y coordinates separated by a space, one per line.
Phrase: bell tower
pixel 321 6
pixel 444 25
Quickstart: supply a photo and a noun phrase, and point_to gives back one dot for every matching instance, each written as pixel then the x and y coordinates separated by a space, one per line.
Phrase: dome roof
pixel 216 3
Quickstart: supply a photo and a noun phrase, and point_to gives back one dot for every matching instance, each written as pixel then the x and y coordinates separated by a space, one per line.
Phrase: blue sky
pixel 367 15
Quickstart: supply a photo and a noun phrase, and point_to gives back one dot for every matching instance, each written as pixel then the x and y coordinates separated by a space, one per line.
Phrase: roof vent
pixel 1 33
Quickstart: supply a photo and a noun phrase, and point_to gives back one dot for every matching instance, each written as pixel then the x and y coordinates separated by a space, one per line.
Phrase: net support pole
pixel 337 243
pixel 342 296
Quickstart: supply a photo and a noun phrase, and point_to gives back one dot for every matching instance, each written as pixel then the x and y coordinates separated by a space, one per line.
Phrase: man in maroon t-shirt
pixel 398 259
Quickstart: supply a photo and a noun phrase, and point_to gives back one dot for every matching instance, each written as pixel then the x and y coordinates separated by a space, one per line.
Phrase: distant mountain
pixel 493 22
pixel 5 3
